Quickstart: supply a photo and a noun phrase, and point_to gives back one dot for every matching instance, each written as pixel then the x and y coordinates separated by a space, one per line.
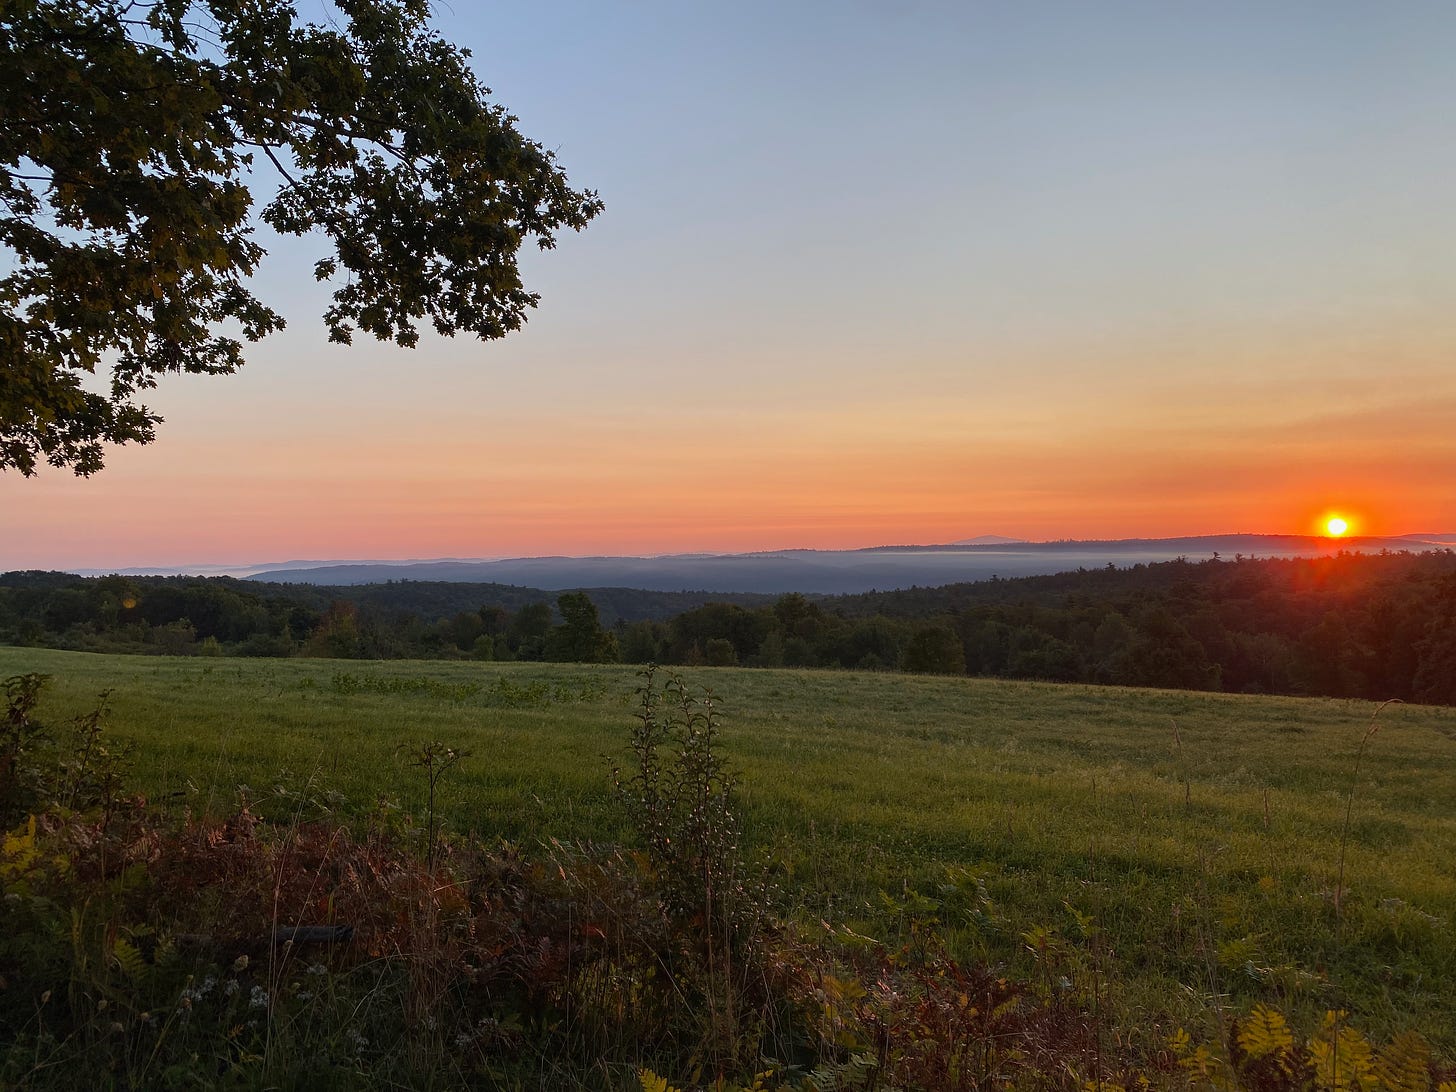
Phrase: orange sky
pixel 425 481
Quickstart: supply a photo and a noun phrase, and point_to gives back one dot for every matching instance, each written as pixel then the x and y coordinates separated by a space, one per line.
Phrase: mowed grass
pixel 1206 859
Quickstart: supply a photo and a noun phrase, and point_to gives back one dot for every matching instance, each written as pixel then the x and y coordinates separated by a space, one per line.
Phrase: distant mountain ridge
pixel 876 568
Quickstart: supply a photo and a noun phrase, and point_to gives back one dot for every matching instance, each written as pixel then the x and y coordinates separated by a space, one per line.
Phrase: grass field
pixel 1189 871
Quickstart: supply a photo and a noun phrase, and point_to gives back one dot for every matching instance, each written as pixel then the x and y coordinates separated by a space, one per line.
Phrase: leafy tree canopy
pixel 129 134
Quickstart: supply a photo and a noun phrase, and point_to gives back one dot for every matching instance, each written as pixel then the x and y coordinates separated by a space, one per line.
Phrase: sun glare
pixel 1335 526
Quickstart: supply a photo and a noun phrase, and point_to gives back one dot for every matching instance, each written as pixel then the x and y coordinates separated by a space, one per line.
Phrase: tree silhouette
pixel 131 133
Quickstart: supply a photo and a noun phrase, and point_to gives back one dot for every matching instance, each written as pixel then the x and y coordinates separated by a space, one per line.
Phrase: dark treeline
pixel 1347 625
pixel 437 599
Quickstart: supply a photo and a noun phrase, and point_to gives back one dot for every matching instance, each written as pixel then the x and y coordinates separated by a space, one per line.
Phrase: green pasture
pixel 1170 855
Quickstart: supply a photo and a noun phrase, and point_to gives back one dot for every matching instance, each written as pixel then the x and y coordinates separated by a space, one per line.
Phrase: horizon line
pixel 216 568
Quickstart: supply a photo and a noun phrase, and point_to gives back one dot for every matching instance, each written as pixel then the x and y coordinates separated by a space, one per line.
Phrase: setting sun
pixel 1335 526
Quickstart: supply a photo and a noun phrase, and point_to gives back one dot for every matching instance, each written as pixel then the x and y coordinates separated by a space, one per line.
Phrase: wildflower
pixel 241 963
pixel 316 969
pixel 230 987
pixel 258 999
pixel 191 993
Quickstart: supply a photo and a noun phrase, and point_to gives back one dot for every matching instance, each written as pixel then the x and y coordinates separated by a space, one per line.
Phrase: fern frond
pixel 1342 1060
pixel 129 958
pixel 1405 1064
pixel 1263 1032
pixel 1208 1067
pixel 651 1082
pixel 19 850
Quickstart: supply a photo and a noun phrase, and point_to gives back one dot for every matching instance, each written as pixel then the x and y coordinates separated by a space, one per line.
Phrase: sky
pixel 872 273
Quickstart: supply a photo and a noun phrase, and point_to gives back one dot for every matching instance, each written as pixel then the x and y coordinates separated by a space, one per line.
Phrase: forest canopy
pixel 1351 625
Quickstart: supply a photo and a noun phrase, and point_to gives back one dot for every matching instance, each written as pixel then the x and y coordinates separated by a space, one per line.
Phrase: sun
pixel 1336 526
